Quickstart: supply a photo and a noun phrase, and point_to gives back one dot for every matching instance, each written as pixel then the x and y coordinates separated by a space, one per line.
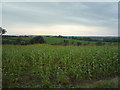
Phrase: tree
pixel 99 43
pixel 37 39
pixel 87 39
pixel 2 31
pixel 60 36
pixel 79 43
pixel 66 42
pixel 18 40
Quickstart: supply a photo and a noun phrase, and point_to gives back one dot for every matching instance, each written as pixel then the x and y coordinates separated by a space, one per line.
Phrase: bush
pixel 99 43
pixel 78 43
pixel 37 39
pixel 66 42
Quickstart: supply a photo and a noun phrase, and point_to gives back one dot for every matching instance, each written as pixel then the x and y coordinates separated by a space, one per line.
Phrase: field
pixel 48 66
pixel 63 40
pixel 52 40
pixel 49 40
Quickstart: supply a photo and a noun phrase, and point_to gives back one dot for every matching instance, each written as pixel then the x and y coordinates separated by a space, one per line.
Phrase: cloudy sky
pixel 61 18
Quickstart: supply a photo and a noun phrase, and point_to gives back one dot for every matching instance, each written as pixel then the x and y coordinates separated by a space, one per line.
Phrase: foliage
pixel 99 43
pixel 22 40
pixel 2 31
pixel 37 39
pixel 47 66
pixel 55 40
pixel 78 43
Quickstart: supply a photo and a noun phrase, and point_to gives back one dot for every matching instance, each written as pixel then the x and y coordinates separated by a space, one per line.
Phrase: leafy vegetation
pixel 2 31
pixel 48 66
pixel 59 40
pixel 37 39
pixel 106 83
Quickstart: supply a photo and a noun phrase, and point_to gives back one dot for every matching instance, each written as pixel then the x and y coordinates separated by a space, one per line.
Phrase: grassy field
pixel 50 40
pixel 47 66
pixel 57 41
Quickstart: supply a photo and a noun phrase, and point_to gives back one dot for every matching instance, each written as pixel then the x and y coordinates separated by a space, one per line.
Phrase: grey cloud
pixel 95 14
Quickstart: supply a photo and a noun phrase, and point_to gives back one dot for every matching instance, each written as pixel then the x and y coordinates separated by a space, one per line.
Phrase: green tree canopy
pixel 37 39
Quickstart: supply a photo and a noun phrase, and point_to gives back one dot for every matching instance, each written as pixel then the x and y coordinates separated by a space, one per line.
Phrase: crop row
pixel 56 66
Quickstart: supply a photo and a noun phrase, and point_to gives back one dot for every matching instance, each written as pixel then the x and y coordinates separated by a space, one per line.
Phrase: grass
pixel 52 40
pixel 55 40
pixel 109 83
pixel 14 38
pixel 112 83
pixel 47 66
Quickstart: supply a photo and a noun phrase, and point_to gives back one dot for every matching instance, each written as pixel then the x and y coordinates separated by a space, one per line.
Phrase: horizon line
pixel 65 35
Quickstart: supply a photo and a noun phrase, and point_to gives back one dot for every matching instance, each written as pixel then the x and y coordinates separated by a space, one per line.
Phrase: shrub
pixel 37 39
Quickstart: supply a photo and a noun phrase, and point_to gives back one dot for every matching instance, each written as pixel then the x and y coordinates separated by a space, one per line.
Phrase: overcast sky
pixel 65 18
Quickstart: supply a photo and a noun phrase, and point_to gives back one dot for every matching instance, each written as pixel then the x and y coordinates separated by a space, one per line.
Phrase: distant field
pixel 51 40
pixel 48 66
pixel 56 40
pixel 14 38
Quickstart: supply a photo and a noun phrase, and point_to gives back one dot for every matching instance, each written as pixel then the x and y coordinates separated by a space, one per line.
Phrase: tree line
pixel 39 39
pixel 20 41
pixel 117 39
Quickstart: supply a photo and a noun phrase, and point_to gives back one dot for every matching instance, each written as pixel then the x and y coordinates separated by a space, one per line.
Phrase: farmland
pixel 48 66
pixel 48 40
pixel 61 40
